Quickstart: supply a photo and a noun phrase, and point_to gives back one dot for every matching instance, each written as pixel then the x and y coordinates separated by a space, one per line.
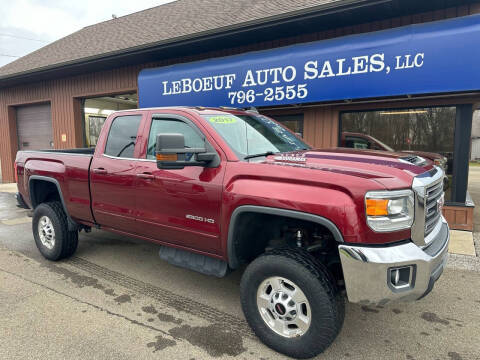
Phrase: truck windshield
pixel 250 135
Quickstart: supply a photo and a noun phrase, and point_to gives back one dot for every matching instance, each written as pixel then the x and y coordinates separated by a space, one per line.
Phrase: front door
pixel 178 206
pixel 112 176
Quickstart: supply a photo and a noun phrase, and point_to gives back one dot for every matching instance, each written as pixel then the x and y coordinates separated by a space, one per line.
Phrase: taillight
pixel 16 173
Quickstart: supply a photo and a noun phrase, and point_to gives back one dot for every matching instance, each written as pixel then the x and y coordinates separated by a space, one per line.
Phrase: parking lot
pixel 115 299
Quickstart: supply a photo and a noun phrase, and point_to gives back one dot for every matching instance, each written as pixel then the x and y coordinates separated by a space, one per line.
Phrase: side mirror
pixel 171 153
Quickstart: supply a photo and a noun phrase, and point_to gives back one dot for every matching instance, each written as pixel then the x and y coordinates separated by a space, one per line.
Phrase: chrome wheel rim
pixel 46 232
pixel 284 307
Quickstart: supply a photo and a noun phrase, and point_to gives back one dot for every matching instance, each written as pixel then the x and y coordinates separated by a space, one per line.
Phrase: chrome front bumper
pixel 367 270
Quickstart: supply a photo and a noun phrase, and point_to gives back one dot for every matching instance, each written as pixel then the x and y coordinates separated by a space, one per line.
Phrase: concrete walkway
pixel 461 242
pixel 8 188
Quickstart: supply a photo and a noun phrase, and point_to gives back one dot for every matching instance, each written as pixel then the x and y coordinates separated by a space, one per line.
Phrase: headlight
pixel 389 210
pixel 441 162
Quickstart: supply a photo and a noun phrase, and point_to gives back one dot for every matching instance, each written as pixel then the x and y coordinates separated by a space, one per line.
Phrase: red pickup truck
pixel 222 188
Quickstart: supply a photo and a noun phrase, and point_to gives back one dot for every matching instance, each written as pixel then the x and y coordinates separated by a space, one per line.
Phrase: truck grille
pixel 432 209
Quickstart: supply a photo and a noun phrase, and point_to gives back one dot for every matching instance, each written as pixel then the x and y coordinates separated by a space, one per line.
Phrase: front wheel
pixel 50 230
pixel 290 301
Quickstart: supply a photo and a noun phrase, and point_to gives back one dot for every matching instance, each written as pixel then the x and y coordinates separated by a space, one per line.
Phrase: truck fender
pixel 72 225
pixel 232 256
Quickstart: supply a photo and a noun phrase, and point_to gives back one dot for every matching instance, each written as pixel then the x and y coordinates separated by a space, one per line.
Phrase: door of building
pixel 34 127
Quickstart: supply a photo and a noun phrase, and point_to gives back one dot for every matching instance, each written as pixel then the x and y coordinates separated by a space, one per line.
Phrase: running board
pixel 196 262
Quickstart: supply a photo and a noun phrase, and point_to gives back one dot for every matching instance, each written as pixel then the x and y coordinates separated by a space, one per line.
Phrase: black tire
pixel 66 242
pixel 326 304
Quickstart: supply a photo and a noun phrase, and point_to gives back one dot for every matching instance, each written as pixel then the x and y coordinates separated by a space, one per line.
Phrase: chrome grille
pixel 428 188
pixel 433 213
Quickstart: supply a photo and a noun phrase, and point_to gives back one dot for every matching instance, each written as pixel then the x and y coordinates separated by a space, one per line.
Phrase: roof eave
pixel 323 10
pixel 124 57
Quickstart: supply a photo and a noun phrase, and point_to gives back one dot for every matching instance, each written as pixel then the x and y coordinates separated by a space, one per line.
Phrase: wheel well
pixel 43 191
pixel 256 233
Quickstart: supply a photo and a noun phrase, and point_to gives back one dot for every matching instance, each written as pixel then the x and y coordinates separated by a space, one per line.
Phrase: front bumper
pixel 367 270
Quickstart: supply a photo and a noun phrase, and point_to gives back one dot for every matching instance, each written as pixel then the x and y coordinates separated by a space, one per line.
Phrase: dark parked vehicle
pixel 364 141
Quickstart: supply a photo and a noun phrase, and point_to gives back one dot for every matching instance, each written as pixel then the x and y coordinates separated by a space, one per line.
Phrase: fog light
pixel 401 277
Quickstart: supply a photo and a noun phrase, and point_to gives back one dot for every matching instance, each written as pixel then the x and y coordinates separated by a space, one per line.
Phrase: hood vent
pixel 414 159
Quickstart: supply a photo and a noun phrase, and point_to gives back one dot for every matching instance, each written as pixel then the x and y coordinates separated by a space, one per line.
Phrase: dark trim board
pixel 461 152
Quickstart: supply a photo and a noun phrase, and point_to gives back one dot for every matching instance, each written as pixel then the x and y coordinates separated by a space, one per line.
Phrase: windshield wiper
pixel 260 154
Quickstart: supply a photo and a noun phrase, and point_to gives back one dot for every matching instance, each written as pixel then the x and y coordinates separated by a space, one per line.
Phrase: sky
pixel 27 25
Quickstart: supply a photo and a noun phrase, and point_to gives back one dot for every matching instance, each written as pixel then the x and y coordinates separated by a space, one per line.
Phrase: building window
pixel 427 132
pixel 293 122
pixel 475 151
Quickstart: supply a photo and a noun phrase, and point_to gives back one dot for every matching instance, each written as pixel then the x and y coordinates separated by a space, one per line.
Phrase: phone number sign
pixel 417 59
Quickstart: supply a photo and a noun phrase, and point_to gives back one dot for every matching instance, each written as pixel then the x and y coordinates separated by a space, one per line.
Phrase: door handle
pixel 100 171
pixel 148 176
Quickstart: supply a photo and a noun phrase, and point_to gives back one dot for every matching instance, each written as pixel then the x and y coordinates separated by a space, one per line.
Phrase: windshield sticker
pixel 222 120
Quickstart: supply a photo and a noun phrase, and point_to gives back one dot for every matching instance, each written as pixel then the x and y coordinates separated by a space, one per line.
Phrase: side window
pixel 168 126
pixel 356 143
pixel 122 136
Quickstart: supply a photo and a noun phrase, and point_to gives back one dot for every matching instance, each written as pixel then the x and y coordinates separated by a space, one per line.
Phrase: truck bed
pixel 69 168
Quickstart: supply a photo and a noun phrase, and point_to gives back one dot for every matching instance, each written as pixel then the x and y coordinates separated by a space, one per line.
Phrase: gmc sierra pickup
pixel 219 188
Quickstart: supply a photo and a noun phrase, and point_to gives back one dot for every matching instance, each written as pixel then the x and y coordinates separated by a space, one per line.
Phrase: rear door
pixel 181 206
pixel 112 173
pixel 34 127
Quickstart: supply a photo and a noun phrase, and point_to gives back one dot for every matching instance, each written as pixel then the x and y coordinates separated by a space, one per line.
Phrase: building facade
pixel 49 102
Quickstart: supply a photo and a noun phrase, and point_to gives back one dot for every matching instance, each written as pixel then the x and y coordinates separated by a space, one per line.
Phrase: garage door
pixel 34 127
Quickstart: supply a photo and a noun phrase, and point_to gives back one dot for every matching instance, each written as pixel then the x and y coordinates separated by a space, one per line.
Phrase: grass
pixel 474 163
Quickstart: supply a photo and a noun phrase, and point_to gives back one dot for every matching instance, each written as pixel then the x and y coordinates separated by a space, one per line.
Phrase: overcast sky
pixel 27 25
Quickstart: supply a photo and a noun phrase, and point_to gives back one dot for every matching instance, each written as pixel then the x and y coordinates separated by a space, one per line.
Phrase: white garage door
pixel 34 127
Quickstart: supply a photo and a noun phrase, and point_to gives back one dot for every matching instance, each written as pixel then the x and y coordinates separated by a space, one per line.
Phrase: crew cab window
pixel 122 136
pixel 169 126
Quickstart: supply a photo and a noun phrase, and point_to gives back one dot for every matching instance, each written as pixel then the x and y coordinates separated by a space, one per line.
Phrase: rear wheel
pixel 290 301
pixel 50 230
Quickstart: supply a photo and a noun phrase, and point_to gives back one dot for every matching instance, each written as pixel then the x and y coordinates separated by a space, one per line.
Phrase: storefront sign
pixel 436 57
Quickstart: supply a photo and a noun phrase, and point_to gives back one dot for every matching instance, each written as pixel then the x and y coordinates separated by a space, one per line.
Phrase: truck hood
pixel 425 154
pixel 385 167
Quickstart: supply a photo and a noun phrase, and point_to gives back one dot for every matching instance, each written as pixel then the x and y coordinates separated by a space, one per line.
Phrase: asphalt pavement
pixel 115 299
